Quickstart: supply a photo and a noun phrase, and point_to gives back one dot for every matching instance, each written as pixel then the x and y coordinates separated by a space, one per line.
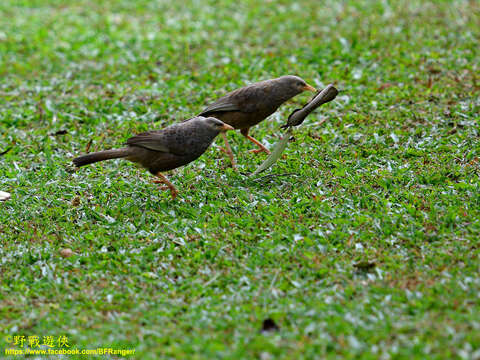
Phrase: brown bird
pixel 247 106
pixel 165 149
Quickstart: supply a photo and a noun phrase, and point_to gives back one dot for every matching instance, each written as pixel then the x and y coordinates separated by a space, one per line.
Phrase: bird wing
pixel 247 99
pixel 220 105
pixel 151 140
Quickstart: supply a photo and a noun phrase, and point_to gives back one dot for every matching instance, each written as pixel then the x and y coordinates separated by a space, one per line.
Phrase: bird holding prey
pixel 166 149
pixel 249 105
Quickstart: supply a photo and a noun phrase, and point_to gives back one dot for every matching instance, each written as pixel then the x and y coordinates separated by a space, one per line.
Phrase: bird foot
pixel 173 191
pixel 230 155
pixel 257 151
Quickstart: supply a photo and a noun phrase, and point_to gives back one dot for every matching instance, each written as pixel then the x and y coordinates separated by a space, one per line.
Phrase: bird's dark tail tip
pixel 100 156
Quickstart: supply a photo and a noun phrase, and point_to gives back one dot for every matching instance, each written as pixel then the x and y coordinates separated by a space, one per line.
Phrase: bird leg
pixel 228 150
pixel 244 132
pixel 169 186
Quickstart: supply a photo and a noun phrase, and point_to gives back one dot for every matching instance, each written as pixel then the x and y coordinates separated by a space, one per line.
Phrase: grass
pixel 367 249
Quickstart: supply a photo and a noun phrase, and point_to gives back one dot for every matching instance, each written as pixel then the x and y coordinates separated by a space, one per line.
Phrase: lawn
pixel 361 242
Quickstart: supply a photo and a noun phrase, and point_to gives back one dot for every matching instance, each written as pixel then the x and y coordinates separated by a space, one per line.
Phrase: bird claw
pixel 173 191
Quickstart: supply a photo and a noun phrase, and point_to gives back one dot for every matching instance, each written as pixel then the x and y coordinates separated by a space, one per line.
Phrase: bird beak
pixel 309 88
pixel 226 127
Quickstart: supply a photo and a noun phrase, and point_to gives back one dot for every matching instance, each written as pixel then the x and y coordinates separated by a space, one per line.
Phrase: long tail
pixel 100 156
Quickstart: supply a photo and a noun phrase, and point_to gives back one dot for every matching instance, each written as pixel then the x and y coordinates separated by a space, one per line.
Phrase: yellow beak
pixel 309 88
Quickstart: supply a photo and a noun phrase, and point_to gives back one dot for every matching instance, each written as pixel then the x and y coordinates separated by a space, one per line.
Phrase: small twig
pixel 211 280
pixel 320 122
pixel 6 151
pixel 273 280
pixel 87 148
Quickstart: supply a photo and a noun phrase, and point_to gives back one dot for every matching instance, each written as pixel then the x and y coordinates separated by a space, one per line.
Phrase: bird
pixel 166 149
pixel 249 105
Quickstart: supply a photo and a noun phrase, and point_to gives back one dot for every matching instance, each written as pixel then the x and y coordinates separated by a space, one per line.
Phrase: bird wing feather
pixel 151 140
pixel 247 99
pixel 219 106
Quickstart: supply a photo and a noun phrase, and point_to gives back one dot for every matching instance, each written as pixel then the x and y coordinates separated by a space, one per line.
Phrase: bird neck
pixel 282 92
pixel 286 95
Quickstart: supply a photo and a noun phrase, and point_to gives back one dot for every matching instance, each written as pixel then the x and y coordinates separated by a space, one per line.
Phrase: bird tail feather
pixel 101 156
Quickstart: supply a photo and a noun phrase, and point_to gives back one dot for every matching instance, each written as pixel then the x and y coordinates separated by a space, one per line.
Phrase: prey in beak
pixel 309 88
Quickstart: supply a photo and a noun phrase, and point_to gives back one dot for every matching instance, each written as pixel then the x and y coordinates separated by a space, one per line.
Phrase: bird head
pixel 294 84
pixel 217 125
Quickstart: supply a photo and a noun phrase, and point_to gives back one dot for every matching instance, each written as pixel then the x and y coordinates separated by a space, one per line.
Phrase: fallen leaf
pixel 76 201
